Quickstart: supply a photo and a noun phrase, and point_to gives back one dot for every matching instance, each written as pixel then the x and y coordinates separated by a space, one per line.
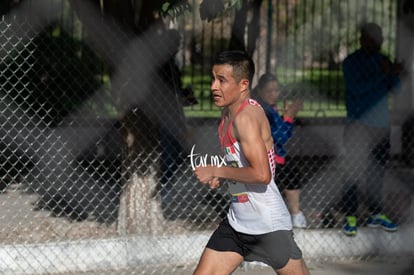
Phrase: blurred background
pixel 102 103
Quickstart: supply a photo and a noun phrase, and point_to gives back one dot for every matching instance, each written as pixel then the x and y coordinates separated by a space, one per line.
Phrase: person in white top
pixel 258 225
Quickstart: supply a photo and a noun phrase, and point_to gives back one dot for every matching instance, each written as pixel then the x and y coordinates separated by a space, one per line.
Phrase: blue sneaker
pixel 350 227
pixel 383 221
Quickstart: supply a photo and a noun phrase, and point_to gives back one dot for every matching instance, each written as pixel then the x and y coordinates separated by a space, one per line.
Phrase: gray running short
pixel 274 248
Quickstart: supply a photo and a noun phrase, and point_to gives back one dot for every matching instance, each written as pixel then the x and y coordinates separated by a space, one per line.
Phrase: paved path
pixel 395 267
pixel 400 267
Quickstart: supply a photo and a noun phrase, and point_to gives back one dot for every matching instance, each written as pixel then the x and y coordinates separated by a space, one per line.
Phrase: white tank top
pixel 255 208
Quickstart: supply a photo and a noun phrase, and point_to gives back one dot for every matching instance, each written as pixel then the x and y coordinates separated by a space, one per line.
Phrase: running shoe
pixel 350 227
pixel 299 220
pixel 383 221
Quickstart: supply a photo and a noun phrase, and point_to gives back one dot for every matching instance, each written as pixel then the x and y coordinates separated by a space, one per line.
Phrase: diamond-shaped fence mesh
pixel 96 164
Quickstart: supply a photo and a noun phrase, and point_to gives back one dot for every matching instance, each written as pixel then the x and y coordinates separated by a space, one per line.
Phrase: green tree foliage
pixel 322 31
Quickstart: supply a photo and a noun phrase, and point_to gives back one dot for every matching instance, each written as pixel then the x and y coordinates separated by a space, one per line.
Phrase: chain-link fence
pixel 97 155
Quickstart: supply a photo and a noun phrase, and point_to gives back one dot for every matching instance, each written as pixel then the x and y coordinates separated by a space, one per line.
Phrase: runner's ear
pixel 244 84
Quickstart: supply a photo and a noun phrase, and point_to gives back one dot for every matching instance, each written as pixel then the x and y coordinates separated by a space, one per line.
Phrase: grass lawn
pixel 321 90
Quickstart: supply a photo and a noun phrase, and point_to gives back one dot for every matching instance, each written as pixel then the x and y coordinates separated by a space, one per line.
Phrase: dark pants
pixel 366 154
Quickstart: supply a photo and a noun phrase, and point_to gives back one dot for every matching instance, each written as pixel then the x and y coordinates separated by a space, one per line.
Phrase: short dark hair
pixel 266 78
pixel 373 30
pixel 243 65
pixel 263 80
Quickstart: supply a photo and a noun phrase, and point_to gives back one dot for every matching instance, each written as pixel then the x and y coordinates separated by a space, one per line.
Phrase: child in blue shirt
pixel 287 176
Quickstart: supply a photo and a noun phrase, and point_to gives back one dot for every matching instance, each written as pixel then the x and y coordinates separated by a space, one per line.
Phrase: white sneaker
pixel 299 220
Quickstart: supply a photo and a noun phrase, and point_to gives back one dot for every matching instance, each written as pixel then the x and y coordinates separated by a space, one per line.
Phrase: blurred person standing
pixel 369 78
pixel 288 176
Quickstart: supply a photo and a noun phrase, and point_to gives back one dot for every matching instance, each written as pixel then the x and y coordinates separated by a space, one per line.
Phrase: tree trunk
pixel 237 39
pixel 139 212
pixel 254 27
pixel 239 28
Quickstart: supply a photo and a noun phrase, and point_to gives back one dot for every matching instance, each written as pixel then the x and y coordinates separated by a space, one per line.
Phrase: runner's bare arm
pixel 251 132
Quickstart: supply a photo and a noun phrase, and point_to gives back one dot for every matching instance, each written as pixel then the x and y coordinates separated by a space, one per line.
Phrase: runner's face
pixel 224 88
